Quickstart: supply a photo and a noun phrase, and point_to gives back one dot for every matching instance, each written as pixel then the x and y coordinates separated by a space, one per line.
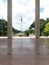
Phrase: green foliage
pixel 46 30
pixel 3 27
pixel 0 32
pixel 31 31
pixel 32 25
pixel 26 33
pixel 32 28
pixel 14 30
pixel 42 25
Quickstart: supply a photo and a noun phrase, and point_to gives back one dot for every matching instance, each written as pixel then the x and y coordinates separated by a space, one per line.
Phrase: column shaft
pixel 9 26
pixel 37 25
pixel 9 19
pixel 37 18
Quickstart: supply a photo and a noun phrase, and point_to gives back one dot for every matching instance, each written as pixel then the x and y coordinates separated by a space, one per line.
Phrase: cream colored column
pixel 37 25
pixel 9 26
pixel 9 19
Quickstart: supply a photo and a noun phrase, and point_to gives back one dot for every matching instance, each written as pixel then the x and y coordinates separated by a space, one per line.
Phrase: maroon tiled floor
pixel 23 52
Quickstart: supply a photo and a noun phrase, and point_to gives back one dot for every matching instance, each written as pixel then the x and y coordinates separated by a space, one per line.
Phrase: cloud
pixel 3 9
pixel 41 9
pixel 23 2
pixel 24 9
pixel 45 5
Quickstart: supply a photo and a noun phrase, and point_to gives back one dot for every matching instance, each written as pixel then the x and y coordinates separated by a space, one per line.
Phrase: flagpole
pixel 21 26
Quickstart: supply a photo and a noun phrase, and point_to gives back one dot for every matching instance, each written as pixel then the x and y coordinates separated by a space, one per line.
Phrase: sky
pixel 24 9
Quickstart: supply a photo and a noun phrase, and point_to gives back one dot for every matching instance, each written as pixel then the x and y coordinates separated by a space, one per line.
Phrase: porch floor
pixel 23 52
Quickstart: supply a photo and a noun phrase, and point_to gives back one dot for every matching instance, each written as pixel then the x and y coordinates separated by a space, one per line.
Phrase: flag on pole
pixel 21 19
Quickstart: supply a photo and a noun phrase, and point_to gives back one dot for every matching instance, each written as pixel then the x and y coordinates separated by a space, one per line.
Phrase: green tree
pixel 26 33
pixel 46 30
pixel 42 25
pixel 32 25
pixel 3 27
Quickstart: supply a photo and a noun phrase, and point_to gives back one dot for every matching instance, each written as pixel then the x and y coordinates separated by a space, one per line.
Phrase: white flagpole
pixel 21 26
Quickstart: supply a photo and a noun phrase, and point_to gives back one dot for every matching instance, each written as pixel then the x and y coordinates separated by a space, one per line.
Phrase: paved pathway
pixel 23 52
